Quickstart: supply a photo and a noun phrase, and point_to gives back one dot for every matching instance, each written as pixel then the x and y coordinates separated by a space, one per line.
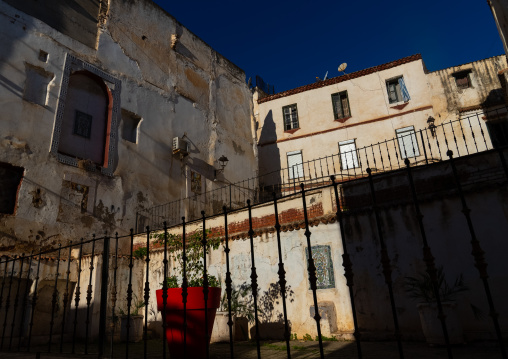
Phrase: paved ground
pixel 299 349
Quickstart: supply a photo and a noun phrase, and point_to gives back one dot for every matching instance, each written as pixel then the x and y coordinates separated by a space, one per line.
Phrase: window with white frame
pixel 397 90
pixel 348 155
pixel 408 143
pixel 340 105
pixel 295 164
pixel 290 114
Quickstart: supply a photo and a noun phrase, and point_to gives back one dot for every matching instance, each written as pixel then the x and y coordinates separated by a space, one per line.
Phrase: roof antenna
pixel 326 75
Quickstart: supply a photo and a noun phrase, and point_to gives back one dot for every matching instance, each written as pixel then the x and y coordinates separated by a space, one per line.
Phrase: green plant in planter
pixel 420 287
pixel 241 306
pixel 194 253
pixel 136 306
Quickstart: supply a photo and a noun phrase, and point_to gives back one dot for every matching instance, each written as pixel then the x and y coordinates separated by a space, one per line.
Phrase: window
pixel 290 114
pixel 397 91
pixel 86 119
pixel 462 79
pixel 340 105
pixel 348 155
pixel 10 179
pixel 408 144
pixel 295 164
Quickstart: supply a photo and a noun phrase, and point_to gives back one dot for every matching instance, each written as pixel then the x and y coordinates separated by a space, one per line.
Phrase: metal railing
pixel 464 136
pixel 113 257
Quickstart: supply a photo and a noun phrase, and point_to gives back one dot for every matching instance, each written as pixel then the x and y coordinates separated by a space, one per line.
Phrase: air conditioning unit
pixel 180 146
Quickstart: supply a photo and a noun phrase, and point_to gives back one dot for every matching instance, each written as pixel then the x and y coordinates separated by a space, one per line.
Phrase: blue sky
pixel 289 43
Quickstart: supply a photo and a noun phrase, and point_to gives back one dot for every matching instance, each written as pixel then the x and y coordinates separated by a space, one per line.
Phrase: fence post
pixel 104 295
pixel 424 150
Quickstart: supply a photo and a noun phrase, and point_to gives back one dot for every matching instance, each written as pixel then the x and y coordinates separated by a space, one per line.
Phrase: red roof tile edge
pixel 342 78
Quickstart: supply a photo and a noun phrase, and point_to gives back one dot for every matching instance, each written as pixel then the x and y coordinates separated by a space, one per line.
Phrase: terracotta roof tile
pixel 335 80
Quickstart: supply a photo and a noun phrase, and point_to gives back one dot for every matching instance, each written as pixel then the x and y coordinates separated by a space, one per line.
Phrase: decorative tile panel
pixel 322 256
pixel 196 183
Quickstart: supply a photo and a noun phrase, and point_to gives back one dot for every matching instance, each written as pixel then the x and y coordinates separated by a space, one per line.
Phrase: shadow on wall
pixel 269 157
pixel 496 121
pixel 271 318
pixel 63 16
pixel 17 28
pixel 495 97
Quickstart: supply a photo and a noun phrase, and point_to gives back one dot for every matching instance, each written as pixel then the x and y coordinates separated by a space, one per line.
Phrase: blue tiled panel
pixel 322 256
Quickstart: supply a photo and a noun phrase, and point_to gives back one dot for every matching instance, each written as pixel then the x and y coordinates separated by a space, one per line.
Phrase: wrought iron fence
pixel 467 135
pixel 69 269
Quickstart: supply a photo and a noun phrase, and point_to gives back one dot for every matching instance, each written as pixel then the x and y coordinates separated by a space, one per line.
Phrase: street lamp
pixel 223 161
pixel 432 127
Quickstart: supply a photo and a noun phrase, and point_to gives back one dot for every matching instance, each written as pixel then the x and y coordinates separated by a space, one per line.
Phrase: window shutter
pixel 392 92
pixel 345 106
pixel 287 118
pixel 294 114
pixel 408 143
pixel 403 89
pixel 337 110
pixel 295 164
pixel 348 156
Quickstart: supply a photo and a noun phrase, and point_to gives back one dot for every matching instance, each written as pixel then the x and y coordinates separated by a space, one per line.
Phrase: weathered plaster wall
pixel 173 81
pixel 77 19
pixel 485 92
pixel 447 233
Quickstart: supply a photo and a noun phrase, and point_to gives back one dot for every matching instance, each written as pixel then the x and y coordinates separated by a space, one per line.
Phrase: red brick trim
pixel 400 107
pixel 291 219
pixel 343 119
pixel 346 126
pixel 335 80
pixel 292 130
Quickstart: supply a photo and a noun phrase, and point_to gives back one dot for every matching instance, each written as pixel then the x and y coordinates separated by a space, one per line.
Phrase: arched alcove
pixel 85 119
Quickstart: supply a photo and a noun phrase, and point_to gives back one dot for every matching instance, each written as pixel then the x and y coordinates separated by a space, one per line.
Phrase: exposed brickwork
pixel 335 80
pixel 292 219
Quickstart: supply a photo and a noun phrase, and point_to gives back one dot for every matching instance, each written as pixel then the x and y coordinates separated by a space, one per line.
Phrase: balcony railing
pixel 467 135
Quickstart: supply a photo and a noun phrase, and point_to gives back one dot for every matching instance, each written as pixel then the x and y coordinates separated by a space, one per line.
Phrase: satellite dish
pixel 342 67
